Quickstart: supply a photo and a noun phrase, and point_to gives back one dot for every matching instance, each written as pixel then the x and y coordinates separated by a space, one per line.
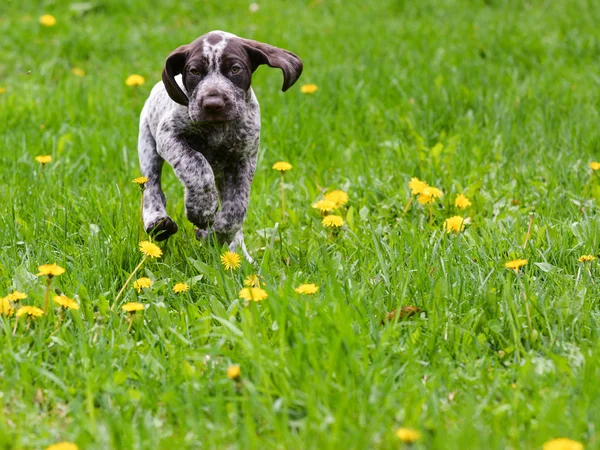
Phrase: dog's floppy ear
pixel 289 63
pixel 174 66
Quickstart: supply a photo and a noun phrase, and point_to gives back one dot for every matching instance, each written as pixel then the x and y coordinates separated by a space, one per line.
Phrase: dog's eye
pixel 235 69
pixel 194 71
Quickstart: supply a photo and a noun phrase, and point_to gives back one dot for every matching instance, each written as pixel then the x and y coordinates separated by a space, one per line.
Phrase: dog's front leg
pixel 156 220
pixel 235 193
pixel 194 172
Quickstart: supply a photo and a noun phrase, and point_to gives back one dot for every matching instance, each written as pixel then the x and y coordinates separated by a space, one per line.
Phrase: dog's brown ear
pixel 289 63
pixel 174 66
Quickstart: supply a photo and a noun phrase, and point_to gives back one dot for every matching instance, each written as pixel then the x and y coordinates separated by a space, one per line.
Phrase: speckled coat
pixel 204 121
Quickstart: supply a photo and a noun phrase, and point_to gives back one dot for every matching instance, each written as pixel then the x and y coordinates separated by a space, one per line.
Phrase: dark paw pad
pixel 162 229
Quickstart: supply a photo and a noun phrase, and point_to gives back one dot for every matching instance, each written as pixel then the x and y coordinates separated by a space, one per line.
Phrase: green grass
pixel 495 361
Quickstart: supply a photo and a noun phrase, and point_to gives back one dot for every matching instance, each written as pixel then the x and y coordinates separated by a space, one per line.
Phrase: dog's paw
pixel 200 207
pixel 202 234
pixel 162 228
pixel 225 228
pixel 211 236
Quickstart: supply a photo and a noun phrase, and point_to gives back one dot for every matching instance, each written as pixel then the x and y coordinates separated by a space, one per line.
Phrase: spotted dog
pixel 204 121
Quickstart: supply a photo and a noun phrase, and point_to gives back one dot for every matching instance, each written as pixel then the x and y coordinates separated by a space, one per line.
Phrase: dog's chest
pixel 219 145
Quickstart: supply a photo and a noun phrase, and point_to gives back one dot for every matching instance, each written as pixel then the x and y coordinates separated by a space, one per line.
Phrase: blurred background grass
pixel 510 91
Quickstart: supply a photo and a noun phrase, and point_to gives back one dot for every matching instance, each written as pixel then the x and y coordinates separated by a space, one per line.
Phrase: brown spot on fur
pixel 214 38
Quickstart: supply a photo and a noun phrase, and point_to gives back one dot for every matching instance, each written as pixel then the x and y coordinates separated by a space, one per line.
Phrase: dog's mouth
pixel 211 121
pixel 215 121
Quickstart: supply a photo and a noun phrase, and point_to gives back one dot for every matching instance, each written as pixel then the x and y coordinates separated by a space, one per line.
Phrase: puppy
pixel 204 121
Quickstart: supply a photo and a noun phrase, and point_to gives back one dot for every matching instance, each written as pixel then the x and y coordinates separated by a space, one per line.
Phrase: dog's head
pixel 216 72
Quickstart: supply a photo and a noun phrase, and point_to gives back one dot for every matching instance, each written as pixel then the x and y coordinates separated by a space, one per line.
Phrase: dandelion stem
pixel 587 266
pixel 522 285
pixel 282 198
pixel 142 215
pixel 408 204
pixel 528 231
pixel 129 279
pixel 47 301
pixel 130 324
pixel 15 328
pixel 430 214
pixel 60 318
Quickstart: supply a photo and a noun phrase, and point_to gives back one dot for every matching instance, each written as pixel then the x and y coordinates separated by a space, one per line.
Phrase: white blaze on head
pixel 214 45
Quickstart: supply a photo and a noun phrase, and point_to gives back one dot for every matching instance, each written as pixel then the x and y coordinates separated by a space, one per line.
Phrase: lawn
pixel 496 100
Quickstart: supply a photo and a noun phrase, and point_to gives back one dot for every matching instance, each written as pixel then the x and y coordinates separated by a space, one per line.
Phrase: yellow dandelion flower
pixel 63 446
pixel 181 287
pixel 454 224
pixel 234 372
pixel 434 192
pixel 142 283
pixel 230 260
pixel 429 195
pixel 66 302
pixel 282 166
pixel 135 80
pixel 408 435
pixel 43 159
pixel 462 202
pixel 339 198
pixel 324 205
pixel 47 20
pixel 2 90
pixel 595 165
pixel 253 293
pixel 416 186
pixel 309 289
pixel 140 180
pixel 332 221
pixel 586 258
pixel 562 444
pixel 16 296
pixel 78 72
pixel 515 264
pixel 31 311
pixel 252 281
pixel 309 88
pixel 246 293
pixel 150 249
pixel 5 309
pixel 425 199
pixel 132 307
pixel 50 270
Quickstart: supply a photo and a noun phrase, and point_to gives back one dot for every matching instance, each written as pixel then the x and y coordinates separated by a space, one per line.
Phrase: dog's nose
pixel 213 104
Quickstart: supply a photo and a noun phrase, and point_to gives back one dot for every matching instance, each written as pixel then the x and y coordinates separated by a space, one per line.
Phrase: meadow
pixel 417 325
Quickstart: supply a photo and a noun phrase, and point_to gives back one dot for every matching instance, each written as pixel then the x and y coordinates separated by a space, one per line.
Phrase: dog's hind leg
pixel 200 198
pixel 238 240
pixel 156 220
